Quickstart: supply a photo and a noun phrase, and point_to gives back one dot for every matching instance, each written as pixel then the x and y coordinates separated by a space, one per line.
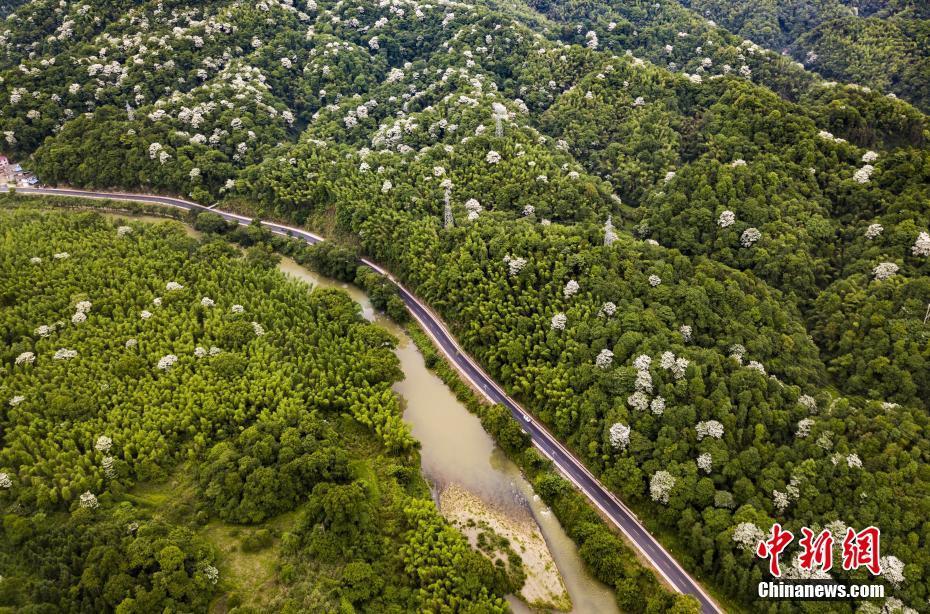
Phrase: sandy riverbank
pixel 544 588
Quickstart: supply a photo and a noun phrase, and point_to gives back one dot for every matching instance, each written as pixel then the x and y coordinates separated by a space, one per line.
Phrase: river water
pixel 457 449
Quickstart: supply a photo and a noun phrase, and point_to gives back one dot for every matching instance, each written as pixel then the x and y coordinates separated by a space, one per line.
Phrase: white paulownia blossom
pixel 638 401
pixel 922 245
pixel 207 302
pixel 804 428
pixel 558 321
pixel 570 289
pixel 173 286
pixel 17 400
pixel 750 236
pixel 892 570
pixel 657 406
pixel 65 354
pixel 873 231
pixel 499 112
pixel 448 220
pixel 654 280
pixel 257 329
pixel 237 309
pixel 493 157
pixel 864 174
pixel 660 486
pixel 26 358
pixel 642 362
pixel 109 467
pixel 514 264
pixel 167 361
pixel 211 573
pixel 780 499
pixel 884 270
pixel 727 218
pixel 808 402
pixel 709 428
pixel 643 381
pixel 610 234
pixel 747 536
pixel 686 332
pixel 89 501
pixel 705 462
pixel 756 365
pixel 608 309
pixel 5 481
pixel 604 359
pixel 103 444
pixel 619 436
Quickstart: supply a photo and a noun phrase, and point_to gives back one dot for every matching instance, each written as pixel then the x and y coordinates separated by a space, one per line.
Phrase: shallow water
pixel 456 448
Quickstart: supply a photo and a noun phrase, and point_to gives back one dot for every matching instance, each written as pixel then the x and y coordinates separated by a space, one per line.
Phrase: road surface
pixel 564 460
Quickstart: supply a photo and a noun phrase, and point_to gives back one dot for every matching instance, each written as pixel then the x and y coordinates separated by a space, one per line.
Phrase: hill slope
pixel 632 217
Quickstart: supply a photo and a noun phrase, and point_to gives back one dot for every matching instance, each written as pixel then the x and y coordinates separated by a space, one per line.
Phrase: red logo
pixel 859 549
pixel 816 550
pixel 862 549
pixel 773 547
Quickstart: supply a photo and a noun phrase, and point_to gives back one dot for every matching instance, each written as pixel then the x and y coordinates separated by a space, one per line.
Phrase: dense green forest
pixel 133 352
pixel 705 268
pixel 882 44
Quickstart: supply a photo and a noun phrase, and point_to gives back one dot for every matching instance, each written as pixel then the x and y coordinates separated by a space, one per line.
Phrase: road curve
pixel 564 460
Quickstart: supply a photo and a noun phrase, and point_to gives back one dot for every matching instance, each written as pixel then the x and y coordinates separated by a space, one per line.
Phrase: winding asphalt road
pixel 566 462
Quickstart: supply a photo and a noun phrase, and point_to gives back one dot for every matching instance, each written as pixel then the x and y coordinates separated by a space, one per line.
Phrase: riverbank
pixel 502 536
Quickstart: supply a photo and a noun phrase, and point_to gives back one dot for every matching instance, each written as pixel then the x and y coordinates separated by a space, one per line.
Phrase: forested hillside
pixel 883 44
pixel 132 353
pixel 702 266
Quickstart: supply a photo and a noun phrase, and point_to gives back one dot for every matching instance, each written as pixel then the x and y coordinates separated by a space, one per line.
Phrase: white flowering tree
pixel 804 428
pixel 639 400
pixel 558 321
pixel 660 486
pixel 705 462
pixel 884 270
pixel 620 436
pixel 874 231
pixel 892 570
pixel 515 264
pixel 610 234
pixel 167 361
pixel 604 359
pixel 571 289
pixel 709 428
pixel 747 536
pixel 726 219
pixel 921 246
pixel 749 237
pixel 88 501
